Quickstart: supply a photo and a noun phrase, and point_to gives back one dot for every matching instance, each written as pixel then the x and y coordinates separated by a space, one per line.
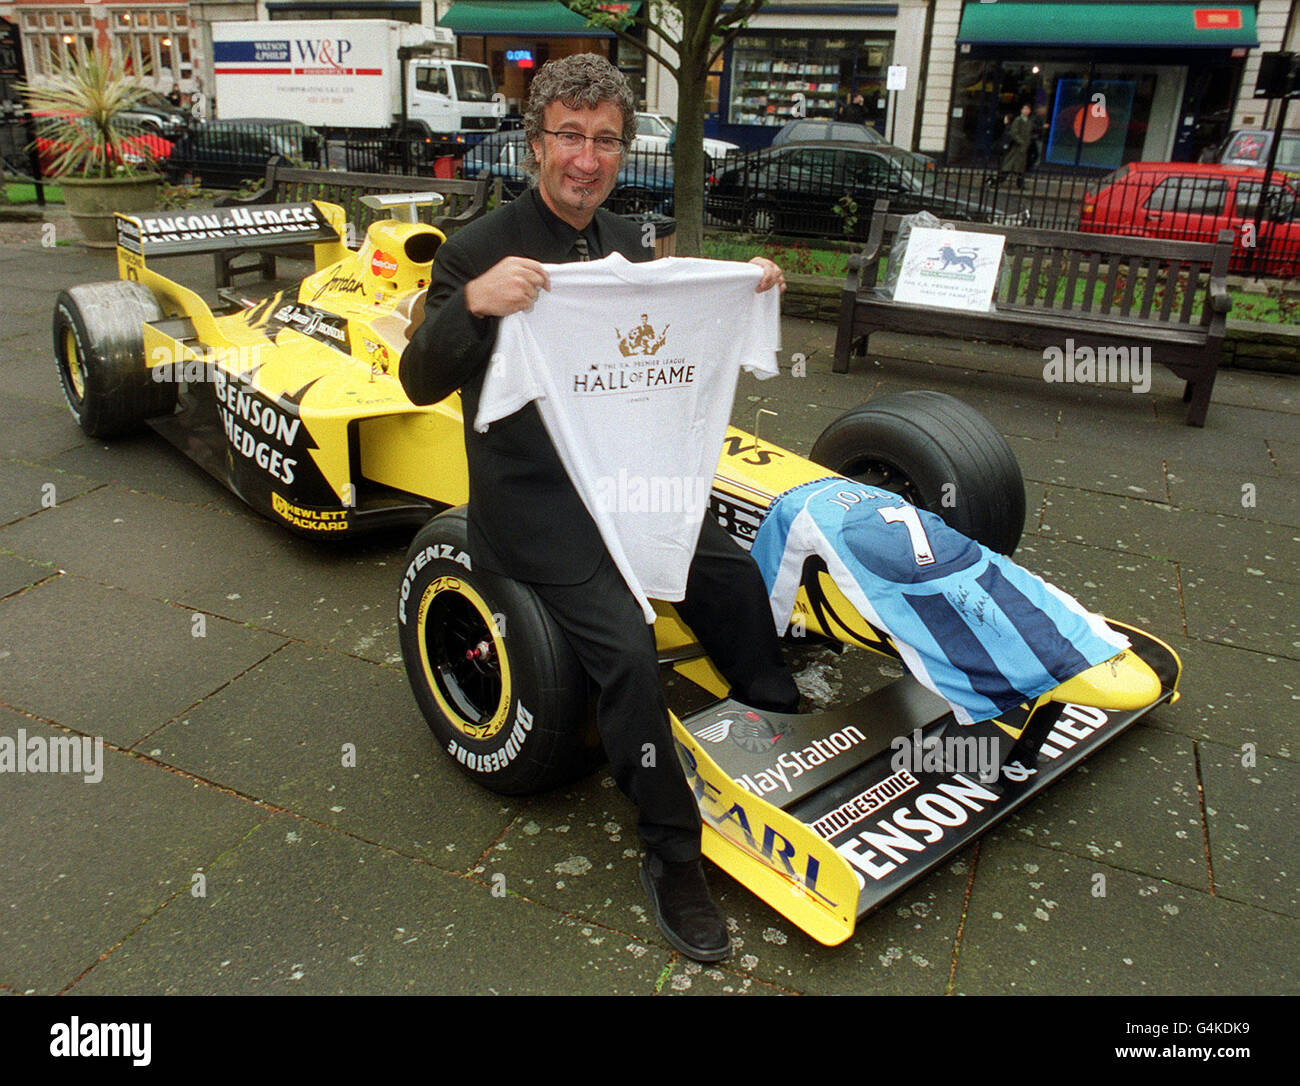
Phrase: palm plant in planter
pixel 83 140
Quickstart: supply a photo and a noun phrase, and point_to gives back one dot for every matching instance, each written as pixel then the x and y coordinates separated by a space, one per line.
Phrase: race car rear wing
pixel 210 230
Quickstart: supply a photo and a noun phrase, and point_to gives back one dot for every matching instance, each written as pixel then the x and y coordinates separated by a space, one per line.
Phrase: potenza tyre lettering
pixel 428 554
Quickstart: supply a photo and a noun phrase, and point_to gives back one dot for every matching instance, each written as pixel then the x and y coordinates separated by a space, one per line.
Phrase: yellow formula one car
pixel 292 399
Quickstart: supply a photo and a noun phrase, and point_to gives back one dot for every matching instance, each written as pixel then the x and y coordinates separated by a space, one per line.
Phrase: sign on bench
pixel 1073 291
pixel 950 269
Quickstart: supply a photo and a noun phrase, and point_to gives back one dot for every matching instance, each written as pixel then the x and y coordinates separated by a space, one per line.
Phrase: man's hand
pixel 772 276
pixel 509 286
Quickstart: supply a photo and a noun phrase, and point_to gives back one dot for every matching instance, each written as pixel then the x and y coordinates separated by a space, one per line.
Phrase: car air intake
pixel 421 247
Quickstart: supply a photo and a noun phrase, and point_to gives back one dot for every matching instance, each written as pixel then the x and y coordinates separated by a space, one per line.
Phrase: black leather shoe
pixel 684 910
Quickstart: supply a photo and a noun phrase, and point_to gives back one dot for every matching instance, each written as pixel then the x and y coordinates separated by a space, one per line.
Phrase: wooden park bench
pixel 1057 287
pixel 463 202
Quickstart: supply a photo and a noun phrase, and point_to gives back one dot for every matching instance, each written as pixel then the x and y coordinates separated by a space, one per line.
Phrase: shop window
pixel 776 79
pixel 713 85
pixel 1084 113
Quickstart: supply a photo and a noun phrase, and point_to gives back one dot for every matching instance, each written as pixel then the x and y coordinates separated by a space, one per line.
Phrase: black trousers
pixel 726 607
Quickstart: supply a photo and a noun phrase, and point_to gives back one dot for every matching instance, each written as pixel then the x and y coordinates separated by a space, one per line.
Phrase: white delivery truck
pixel 361 74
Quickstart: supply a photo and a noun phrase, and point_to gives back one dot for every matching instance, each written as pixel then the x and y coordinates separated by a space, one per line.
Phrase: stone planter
pixel 92 202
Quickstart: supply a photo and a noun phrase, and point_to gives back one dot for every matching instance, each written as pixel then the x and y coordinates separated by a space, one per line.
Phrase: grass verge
pixel 18 193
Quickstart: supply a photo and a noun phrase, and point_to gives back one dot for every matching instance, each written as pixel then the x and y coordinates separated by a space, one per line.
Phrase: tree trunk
pixel 688 152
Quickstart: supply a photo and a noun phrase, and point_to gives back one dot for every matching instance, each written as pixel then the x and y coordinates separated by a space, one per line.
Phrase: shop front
pixel 514 38
pixel 810 60
pixel 1106 83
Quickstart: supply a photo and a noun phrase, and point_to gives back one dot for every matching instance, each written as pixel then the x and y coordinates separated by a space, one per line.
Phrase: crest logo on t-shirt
pixel 643 339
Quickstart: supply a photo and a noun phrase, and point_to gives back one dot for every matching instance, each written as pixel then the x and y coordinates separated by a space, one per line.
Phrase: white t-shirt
pixel 633 367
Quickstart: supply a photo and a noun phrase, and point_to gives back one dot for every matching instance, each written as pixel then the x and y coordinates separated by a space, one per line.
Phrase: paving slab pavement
pixel 273 816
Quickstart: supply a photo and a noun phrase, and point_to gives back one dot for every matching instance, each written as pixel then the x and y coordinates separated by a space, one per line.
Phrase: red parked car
pixel 138 148
pixel 1194 201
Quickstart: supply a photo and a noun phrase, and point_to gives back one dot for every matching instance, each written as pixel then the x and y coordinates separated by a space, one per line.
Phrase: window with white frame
pixel 154 41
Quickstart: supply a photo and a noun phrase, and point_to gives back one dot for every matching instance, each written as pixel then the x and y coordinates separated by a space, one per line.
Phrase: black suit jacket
pixel 525 518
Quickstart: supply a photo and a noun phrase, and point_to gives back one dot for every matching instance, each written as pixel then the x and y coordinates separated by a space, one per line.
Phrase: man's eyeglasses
pixel 574 141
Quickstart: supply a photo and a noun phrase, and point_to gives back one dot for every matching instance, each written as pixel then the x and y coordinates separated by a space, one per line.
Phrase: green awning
pixel 1135 25
pixel 526 18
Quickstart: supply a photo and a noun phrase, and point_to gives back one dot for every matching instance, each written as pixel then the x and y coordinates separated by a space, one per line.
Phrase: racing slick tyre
pixel 493 674
pixel 99 351
pixel 939 454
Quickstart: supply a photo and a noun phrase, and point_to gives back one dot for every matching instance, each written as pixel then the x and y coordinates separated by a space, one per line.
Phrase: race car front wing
pixel 828 815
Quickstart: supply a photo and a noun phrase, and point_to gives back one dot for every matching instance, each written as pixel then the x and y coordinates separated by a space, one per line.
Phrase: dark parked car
pixel 645 181
pixel 796 189
pixel 157 116
pixel 813 130
pixel 223 153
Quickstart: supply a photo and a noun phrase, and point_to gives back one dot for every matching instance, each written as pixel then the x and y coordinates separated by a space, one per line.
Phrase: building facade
pixel 1107 82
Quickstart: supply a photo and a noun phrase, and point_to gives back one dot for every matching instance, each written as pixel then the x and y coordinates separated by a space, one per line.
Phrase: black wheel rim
pixel 463 655
pixel 884 475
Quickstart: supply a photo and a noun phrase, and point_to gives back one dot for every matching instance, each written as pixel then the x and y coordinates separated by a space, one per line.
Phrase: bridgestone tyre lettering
pixel 492 673
pixel 99 352
pixel 939 454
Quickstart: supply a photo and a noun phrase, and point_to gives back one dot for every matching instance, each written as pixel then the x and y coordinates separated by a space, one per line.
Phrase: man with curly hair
pixel 526 520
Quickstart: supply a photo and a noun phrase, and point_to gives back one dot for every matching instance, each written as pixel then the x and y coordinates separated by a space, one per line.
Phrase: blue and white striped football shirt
pixel 970 624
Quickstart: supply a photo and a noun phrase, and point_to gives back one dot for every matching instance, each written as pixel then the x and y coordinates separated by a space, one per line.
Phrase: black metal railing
pixel 818 192
pixel 17 155
pixel 223 154
pixel 766 193
pixel 33 145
